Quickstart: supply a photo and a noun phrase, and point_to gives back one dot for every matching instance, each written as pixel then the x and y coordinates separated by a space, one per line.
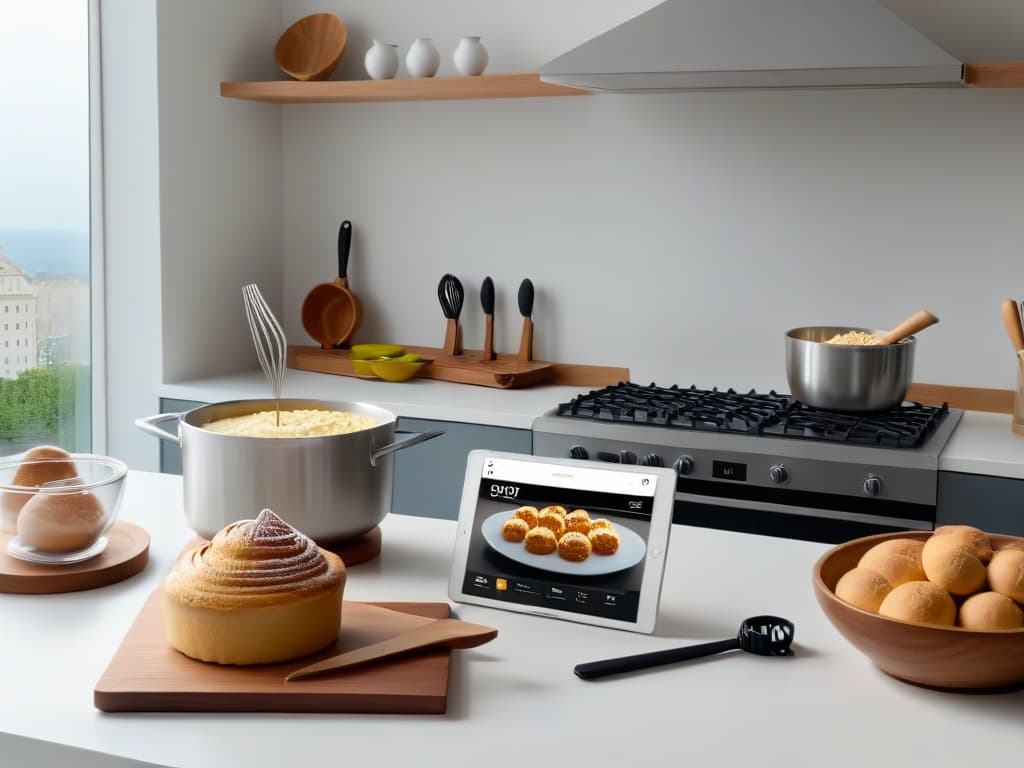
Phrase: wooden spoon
pixel 916 322
pixel 443 633
pixel 331 312
pixel 1011 319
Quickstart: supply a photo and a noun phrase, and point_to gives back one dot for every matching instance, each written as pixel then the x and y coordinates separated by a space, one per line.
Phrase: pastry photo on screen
pixel 579 549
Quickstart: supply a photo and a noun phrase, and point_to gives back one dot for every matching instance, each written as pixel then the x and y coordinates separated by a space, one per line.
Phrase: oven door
pixel 786 520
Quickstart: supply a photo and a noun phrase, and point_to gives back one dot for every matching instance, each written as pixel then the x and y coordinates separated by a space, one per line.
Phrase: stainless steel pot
pixel 332 488
pixel 847 377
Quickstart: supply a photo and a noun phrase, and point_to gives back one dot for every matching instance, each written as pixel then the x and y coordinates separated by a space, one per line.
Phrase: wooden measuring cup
pixel 331 313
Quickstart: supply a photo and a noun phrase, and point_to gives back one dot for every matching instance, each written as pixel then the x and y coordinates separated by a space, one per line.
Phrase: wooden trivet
pixel 126 554
pixel 356 551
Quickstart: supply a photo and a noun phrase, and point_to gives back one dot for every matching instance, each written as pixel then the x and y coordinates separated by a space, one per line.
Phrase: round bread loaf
pixel 896 560
pixel 973 539
pixel 259 592
pixel 990 610
pixel 61 522
pixel 863 588
pixel 42 464
pixel 529 514
pixel 920 601
pixel 953 565
pixel 1006 574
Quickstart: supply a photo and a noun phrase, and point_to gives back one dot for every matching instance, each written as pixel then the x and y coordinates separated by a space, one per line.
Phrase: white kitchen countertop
pixel 515 701
pixel 982 443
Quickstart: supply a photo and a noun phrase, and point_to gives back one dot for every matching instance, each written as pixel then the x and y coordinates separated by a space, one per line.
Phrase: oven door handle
pixel 786 509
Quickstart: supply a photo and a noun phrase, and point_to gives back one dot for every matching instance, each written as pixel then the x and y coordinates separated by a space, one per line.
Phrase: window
pixel 45 226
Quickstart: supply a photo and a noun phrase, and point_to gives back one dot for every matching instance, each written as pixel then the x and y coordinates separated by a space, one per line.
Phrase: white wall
pixel 220 181
pixel 677 234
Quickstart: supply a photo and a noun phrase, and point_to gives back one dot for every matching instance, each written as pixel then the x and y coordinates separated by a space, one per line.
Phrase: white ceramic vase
pixel 381 60
pixel 470 56
pixel 422 60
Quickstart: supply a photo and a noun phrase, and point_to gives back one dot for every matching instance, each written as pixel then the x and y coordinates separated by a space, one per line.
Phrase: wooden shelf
pixel 1002 74
pixel 402 89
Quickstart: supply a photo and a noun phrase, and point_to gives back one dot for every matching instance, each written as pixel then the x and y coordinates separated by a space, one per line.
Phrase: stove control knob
pixel 627 457
pixel 579 452
pixel 652 460
pixel 778 474
pixel 683 465
pixel 872 485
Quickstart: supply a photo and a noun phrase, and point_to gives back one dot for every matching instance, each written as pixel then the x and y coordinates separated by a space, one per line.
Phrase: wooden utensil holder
pixel 504 372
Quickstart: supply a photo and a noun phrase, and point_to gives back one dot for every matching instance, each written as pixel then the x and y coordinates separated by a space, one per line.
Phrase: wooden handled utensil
pixel 916 322
pixel 443 633
pixel 450 294
pixel 1011 319
pixel 487 304
pixel 526 310
pixel 331 313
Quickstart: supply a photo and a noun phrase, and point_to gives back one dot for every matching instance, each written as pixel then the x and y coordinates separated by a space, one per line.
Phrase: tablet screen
pixel 598 572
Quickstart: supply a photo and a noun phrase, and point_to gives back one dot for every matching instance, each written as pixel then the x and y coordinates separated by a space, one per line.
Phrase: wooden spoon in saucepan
pixel 916 322
pixel 443 633
pixel 1011 319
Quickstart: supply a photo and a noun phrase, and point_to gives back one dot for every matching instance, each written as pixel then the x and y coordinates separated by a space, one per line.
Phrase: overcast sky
pixel 44 114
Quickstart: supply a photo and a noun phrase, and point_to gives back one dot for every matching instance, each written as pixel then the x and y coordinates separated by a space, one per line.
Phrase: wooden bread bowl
pixel 311 48
pixel 924 654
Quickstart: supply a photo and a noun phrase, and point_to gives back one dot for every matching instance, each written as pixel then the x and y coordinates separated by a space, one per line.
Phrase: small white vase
pixel 381 60
pixel 422 60
pixel 470 56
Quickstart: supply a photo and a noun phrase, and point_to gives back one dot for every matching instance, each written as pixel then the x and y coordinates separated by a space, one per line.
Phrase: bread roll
pixel 976 541
pixel 259 592
pixel 863 588
pixel 953 565
pixel 1006 574
pixel 896 560
pixel 61 522
pixel 42 464
pixel 920 601
pixel 990 610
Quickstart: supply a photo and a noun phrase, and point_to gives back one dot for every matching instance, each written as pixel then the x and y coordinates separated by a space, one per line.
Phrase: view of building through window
pixel 45 343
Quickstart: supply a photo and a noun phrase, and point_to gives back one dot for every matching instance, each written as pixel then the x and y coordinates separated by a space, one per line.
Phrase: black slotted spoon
pixel 450 294
pixel 762 635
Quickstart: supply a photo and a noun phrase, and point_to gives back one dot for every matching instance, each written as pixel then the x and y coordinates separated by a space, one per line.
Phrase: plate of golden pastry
pixel 561 540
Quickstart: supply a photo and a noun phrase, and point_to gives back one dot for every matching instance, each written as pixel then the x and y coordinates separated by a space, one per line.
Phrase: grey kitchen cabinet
pixel 170 454
pixel 994 504
pixel 428 478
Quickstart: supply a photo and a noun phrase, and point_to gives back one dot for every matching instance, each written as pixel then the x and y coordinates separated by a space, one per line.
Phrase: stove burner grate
pixel 904 426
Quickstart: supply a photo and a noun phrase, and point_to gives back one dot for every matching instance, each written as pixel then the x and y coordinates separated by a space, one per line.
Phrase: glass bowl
pixel 62 512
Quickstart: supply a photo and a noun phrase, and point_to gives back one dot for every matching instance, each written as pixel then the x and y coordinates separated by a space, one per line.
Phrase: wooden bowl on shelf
pixel 923 654
pixel 311 48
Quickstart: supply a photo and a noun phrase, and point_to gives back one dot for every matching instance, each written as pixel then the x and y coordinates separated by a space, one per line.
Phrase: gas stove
pixel 764 462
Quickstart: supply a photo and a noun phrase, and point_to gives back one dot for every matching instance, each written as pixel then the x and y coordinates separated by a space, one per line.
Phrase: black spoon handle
pixel 344 244
pixel 594 669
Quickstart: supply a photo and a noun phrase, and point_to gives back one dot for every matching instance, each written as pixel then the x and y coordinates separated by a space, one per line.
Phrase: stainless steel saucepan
pixel 332 488
pixel 847 377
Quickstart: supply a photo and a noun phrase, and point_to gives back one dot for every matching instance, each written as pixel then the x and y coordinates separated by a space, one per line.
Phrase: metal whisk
pixel 268 337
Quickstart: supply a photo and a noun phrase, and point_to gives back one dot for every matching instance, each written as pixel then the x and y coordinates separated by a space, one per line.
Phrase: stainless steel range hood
pixel 724 44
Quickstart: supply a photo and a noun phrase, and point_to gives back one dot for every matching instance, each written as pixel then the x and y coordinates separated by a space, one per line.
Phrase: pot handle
pixel 148 425
pixel 422 437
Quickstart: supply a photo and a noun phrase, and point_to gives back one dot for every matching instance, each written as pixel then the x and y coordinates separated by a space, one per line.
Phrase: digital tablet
pixel 609 574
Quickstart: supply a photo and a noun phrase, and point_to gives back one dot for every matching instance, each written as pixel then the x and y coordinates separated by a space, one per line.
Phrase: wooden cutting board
pixel 148 675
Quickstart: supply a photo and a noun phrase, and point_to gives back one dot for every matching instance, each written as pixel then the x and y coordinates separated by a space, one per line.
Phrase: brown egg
pixel 33 475
pixel 863 588
pixel 60 522
pixel 919 601
pixel 975 540
pixel 896 560
pixel 953 565
pixel 990 610
pixel 1006 574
